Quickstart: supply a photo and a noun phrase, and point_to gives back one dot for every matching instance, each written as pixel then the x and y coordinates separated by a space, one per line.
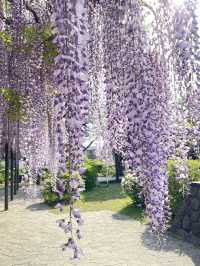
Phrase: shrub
pixel 90 175
pixel 176 186
pixel 194 170
pixel 45 174
pixel 51 197
pixel 96 168
pixel 90 179
pixel 131 187
pixel 98 164
pixel 107 170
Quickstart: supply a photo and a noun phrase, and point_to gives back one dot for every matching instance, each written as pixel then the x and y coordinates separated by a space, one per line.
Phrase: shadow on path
pixel 2 191
pixel 2 198
pixel 172 243
pixel 128 212
pixel 20 196
pixel 38 207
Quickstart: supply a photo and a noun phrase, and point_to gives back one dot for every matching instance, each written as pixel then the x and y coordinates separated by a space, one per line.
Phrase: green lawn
pixel 110 198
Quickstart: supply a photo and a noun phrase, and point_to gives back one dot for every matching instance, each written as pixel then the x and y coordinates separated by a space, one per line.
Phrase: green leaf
pixel 14 110
pixel 6 38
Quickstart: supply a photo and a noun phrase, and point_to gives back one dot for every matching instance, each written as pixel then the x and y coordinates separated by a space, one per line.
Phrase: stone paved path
pixel 29 237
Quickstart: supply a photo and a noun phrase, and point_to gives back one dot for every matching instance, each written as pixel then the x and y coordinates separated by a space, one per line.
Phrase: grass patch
pixel 110 198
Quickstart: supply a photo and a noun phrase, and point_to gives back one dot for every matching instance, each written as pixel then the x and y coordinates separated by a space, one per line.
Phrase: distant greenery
pixel 14 110
pixel 95 168
pixel 107 170
pixel 175 187
pixel 109 198
pixel 90 177
pixel 50 196
pixel 98 198
pixel 132 189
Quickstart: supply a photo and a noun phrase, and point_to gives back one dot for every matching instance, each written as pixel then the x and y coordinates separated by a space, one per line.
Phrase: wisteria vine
pixel 129 67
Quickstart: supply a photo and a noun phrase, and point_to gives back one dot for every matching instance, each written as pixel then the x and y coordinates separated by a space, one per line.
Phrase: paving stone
pixel 29 237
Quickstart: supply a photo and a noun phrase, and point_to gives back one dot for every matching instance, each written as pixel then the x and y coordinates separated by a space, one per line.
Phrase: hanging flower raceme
pixel 192 78
pixel 185 53
pixel 144 93
pixel 3 103
pixel 145 96
pixel 147 131
pixel 115 66
pixel 70 20
pixel 155 144
pixel 34 133
pixel 25 77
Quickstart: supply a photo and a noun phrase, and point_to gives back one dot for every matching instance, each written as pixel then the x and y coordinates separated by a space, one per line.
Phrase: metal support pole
pixel 15 176
pixel 6 175
pixel 11 174
pixel 17 155
pixel 118 167
pixel 17 172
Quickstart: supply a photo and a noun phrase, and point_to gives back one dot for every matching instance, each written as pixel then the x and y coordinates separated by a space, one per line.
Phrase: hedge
pixel 131 188
pixel 90 177
pixel 175 187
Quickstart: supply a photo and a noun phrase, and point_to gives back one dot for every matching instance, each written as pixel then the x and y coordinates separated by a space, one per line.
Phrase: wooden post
pixel 17 156
pixel 6 175
pixel 15 175
pixel 11 174
pixel 17 171
pixel 7 144
pixel 118 167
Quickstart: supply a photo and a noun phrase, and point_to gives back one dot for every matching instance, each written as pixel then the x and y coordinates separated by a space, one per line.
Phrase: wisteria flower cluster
pixel 70 22
pixel 128 68
pixel 75 186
